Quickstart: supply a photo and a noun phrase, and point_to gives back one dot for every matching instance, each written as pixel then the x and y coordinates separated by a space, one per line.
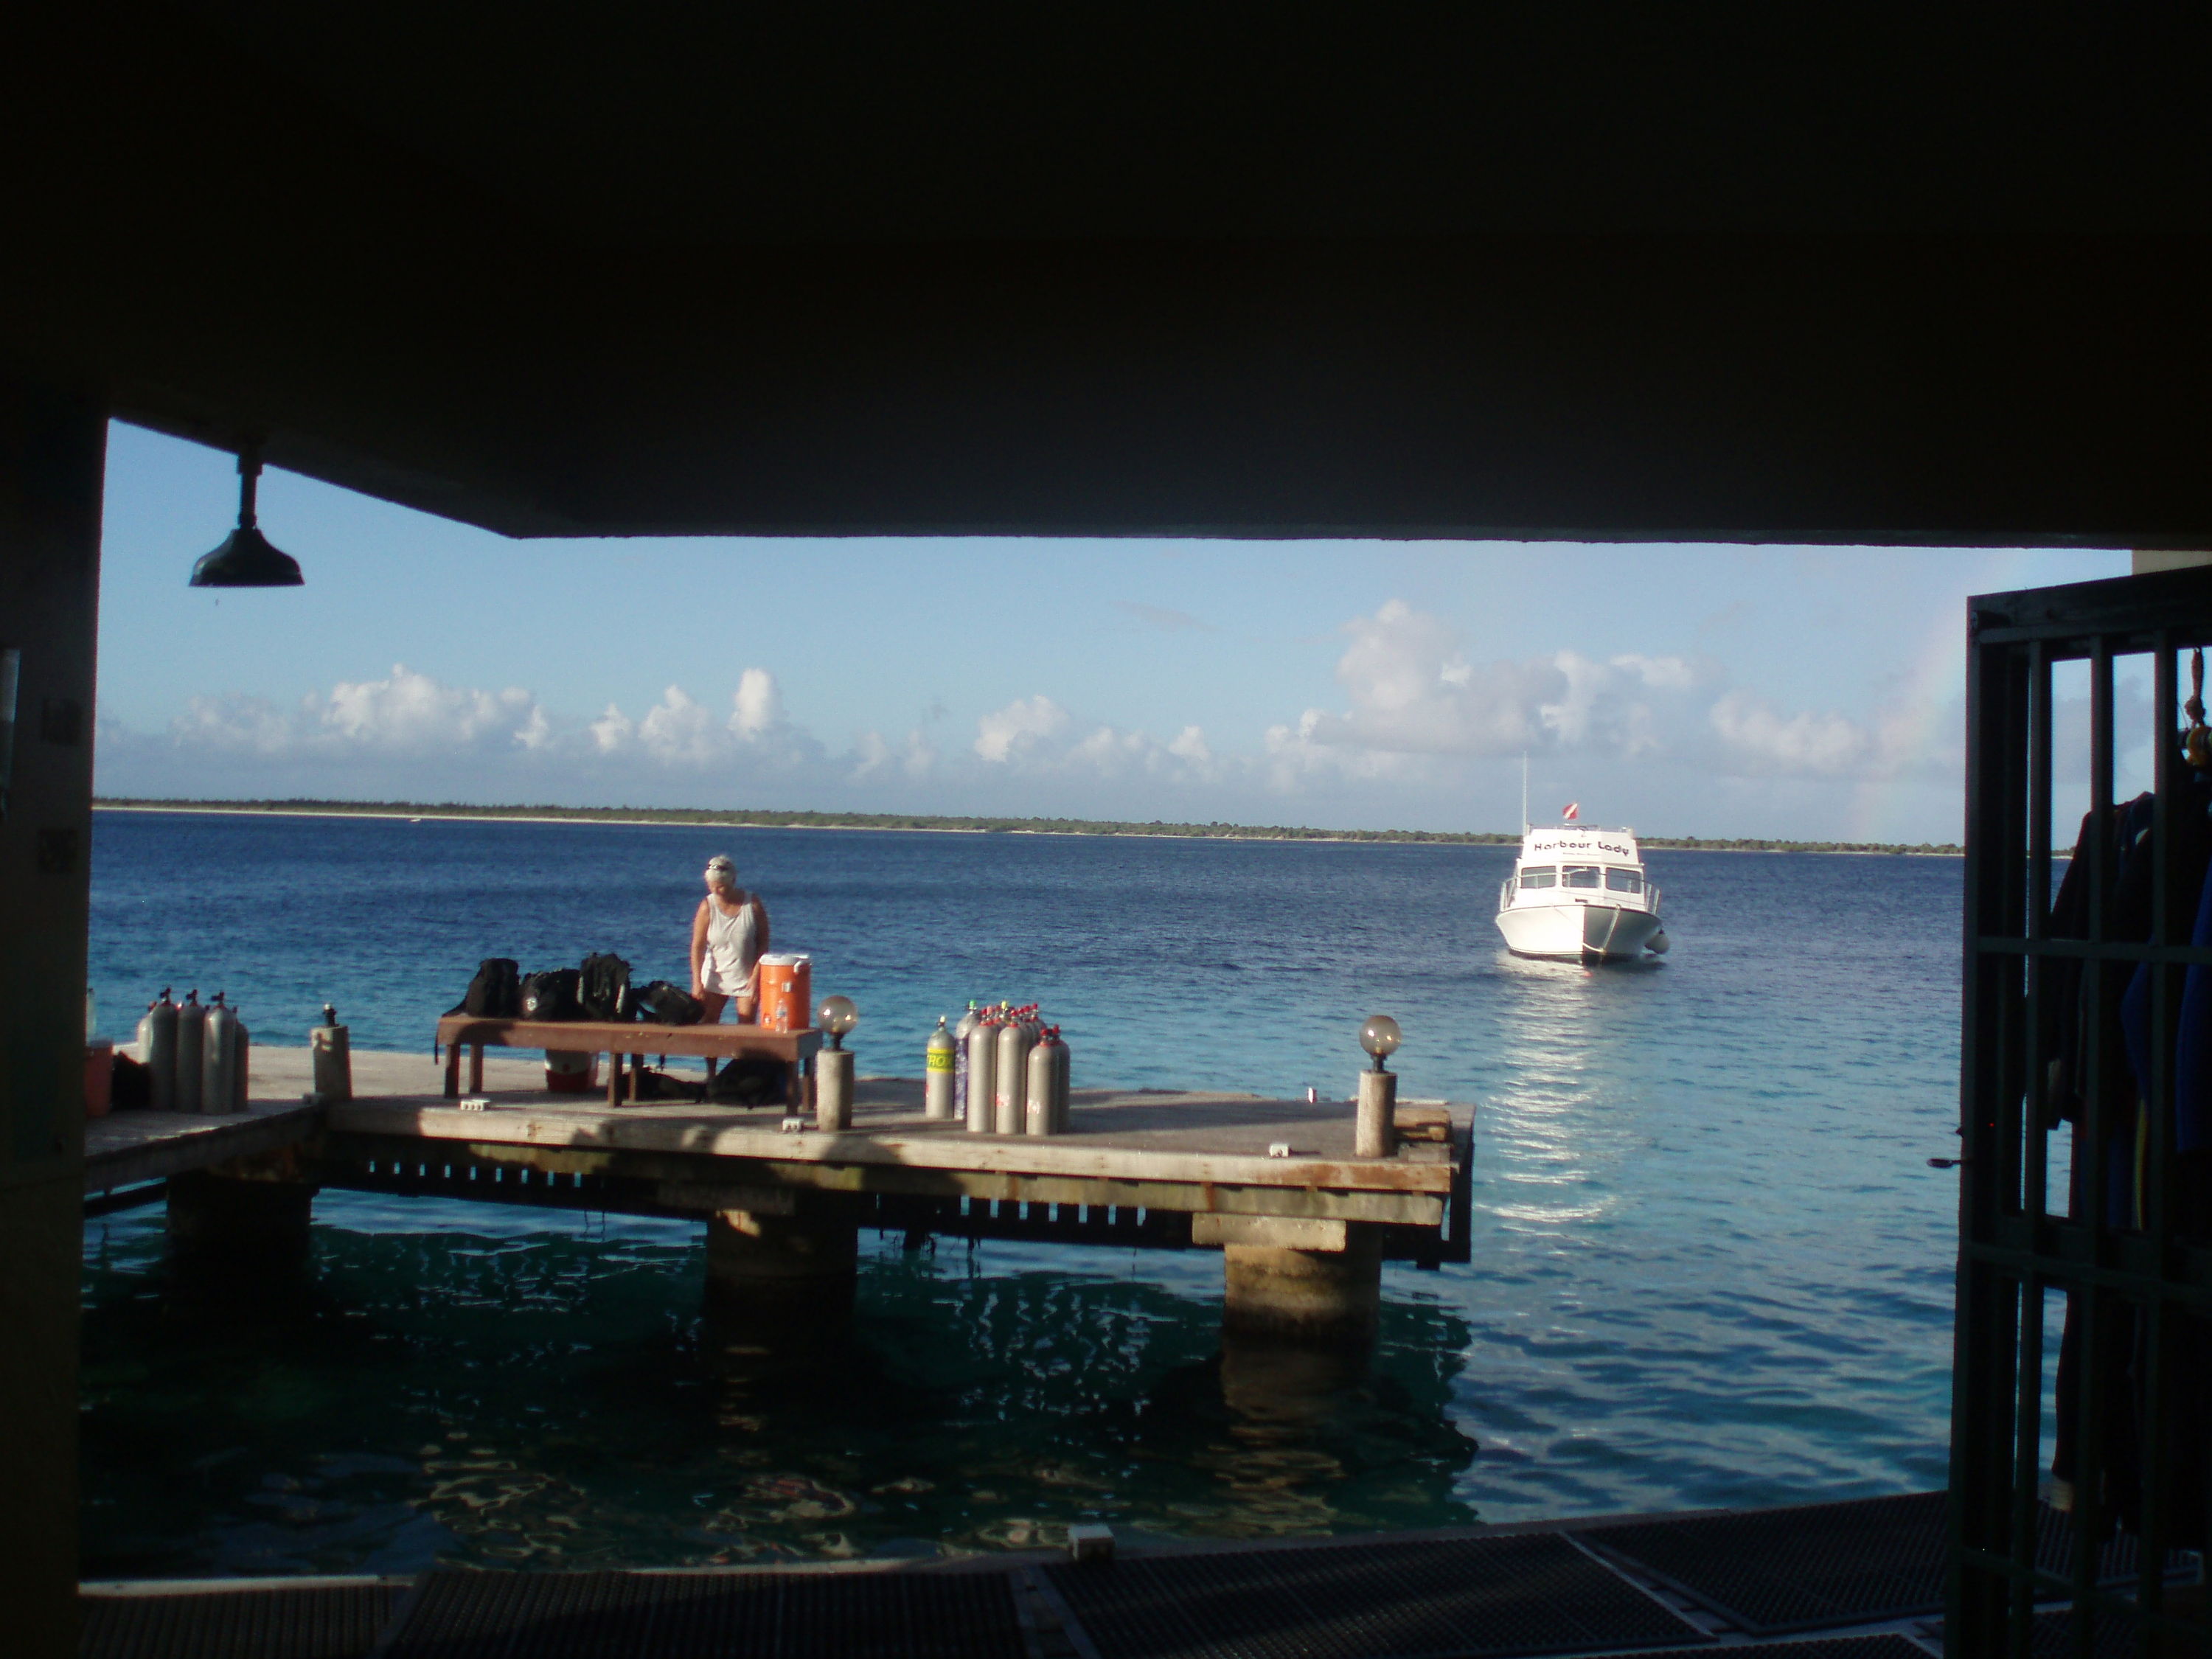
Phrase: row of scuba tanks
pixel 194 1054
pixel 1002 1070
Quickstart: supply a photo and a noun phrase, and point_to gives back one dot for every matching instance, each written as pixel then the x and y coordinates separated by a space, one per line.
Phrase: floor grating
pixel 750 1615
pixel 1531 1593
pixel 1884 1646
pixel 1795 1569
pixel 314 1621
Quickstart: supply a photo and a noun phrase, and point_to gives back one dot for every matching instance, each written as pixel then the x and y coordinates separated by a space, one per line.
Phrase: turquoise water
pixel 1711 1263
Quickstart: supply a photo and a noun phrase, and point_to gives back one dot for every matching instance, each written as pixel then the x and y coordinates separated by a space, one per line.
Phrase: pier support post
pixel 833 1089
pixel 263 1222
pixel 1327 1289
pixel 804 1262
pixel 1375 1131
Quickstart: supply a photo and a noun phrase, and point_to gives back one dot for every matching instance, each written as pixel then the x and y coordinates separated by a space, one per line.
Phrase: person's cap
pixel 721 865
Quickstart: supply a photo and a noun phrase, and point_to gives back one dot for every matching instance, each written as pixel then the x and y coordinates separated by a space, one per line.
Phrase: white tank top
pixel 734 941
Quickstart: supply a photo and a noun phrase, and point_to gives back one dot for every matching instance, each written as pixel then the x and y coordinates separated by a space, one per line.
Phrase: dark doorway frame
pixel 2144 1269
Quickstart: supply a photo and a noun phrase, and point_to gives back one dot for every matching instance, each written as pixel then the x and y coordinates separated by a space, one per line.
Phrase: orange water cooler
pixel 787 991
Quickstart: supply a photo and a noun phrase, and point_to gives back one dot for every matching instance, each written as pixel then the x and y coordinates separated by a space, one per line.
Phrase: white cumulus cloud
pixel 1413 691
pixel 1761 739
pixel 1007 734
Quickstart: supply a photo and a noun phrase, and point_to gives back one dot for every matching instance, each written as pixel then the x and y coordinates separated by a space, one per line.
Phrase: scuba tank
pixel 961 1033
pixel 1010 1081
pixel 157 1052
pixel 1037 1110
pixel 937 1064
pixel 982 1068
pixel 1047 1075
pixel 218 1057
pixel 238 1050
pixel 191 1050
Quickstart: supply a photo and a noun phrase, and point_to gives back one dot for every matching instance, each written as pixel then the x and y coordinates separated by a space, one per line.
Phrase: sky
pixel 1771 692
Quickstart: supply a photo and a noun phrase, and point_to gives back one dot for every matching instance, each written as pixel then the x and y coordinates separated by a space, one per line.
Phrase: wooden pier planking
pixel 1204 1153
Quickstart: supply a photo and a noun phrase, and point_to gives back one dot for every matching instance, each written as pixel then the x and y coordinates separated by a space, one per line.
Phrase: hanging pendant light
pixel 245 559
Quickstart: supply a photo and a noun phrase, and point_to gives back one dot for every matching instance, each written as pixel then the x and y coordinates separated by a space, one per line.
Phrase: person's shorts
pixel 712 979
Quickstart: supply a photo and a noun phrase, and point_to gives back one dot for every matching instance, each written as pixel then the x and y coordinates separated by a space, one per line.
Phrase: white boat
pixel 1578 892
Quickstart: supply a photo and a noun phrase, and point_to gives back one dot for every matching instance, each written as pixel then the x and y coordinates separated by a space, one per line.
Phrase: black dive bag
pixel 750 1080
pixel 603 988
pixel 660 1003
pixel 495 993
pixel 552 995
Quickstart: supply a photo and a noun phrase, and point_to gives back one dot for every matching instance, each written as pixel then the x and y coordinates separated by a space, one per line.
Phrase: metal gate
pixel 2099 1215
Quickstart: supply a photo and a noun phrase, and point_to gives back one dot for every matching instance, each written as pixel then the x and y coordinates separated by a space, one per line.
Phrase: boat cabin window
pixel 1580 875
pixel 1547 877
pixel 1623 881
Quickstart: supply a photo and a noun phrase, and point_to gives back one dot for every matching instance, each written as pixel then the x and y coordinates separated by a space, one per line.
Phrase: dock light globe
pixel 1380 1037
pixel 837 1015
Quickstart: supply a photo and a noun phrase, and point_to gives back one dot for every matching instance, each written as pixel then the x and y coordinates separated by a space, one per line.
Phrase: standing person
pixel 728 937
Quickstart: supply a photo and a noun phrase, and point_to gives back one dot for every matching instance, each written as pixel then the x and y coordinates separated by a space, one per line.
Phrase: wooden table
pixel 616 1039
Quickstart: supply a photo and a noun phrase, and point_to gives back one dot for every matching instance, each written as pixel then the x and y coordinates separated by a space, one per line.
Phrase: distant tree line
pixel 782 820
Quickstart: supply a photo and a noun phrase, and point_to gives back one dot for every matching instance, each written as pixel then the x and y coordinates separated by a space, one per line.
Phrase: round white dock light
pixel 837 1015
pixel 1380 1036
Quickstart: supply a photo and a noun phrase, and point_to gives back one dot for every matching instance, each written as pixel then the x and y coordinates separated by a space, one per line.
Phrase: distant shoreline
pixel 451 811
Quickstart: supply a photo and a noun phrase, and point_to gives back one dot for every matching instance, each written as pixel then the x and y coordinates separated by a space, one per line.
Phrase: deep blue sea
pixel 1711 1264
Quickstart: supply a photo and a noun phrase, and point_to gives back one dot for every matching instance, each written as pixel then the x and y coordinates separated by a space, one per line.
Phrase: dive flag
pixel 1574 810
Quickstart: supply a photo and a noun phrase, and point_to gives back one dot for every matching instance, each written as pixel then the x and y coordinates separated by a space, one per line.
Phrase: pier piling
pixel 265 1221
pixel 1328 1296
pixel 807 1260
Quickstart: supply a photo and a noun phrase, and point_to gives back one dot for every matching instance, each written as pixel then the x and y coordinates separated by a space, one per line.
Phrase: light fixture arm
pixel 249 482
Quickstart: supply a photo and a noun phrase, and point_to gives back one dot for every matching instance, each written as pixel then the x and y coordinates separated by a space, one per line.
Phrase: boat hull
pixel 1586 932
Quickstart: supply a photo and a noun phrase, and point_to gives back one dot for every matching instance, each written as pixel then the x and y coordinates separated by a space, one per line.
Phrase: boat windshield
pixel 1623 881
pixel 1580 875
pixel 1547 877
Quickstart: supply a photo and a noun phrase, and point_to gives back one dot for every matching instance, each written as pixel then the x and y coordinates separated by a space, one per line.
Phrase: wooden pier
pixel 1302 1222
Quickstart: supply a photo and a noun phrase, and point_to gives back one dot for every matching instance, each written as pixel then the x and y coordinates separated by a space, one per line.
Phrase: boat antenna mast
pixel 1524 794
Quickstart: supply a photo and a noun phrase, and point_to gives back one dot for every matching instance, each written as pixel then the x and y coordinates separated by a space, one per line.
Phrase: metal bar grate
pixel 2083 1028
pixel 710 1615
pixel 315 1622
pixel 1526 1594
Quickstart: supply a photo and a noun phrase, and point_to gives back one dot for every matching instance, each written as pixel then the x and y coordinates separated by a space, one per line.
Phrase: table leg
pixel 453 1071
pixel 476 1068
pixel 614 1077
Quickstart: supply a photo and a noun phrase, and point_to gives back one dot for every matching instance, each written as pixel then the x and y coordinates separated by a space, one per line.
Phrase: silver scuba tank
pixel 938 1067
pixel 191 1050
pixel 218 1057
pixel 1063 1101
pixel 157 1052
pixel 982 1069
pixel 961 1033
pixel 238 1048
pixel 1037 1111
pixel 1010 1081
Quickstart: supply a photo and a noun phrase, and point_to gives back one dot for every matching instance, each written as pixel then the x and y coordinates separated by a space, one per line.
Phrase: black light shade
pixel 245 559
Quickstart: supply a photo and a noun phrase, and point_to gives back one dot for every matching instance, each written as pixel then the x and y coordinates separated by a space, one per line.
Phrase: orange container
pixel 99 1077
pixel 787 991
